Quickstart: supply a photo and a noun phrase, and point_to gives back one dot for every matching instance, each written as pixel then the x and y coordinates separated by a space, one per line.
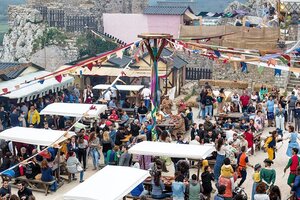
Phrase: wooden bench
pixel 32 184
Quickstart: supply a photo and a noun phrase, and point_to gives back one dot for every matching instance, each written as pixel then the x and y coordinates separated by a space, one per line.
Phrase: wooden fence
pixel 197 73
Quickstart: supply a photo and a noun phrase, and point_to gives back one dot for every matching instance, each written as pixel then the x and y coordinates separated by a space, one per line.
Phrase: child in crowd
pixel 227 170
pixel 256 179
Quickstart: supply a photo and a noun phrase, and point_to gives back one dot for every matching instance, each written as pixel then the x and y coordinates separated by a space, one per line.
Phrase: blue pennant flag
pixel 217 53
pixel 137 44
pixel 277 72
pixel 244 67
pixel 41 81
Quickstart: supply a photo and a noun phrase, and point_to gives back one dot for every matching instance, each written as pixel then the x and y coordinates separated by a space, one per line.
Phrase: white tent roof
pixel 110 183
pixel 119 87
pixel 172 150
pixel 33 89
pixel 34 136
pixel 74 110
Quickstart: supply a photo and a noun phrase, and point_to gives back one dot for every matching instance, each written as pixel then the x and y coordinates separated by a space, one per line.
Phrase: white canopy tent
pixel 172 150
pixel 133 88
pixel 74 110
pixel 110 183
pixel 33 89
pixel 34 136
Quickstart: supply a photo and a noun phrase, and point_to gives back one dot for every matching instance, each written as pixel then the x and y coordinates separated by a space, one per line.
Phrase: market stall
pixel 110 183
pixel 173 150
pixel 74 110
pixel 37 137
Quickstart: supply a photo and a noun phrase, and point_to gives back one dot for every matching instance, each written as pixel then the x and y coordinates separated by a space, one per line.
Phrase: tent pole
pixel 198 170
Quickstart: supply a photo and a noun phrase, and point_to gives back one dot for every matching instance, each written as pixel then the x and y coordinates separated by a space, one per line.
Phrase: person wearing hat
pixel 267 174
pixel 166 105
pixel 270 145
pixel 293 163
pixel 256 179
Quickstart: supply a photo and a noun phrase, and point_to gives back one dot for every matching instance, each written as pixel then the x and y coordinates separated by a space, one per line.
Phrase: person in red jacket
pixel 250 139
pixel 245 99
pixel 113 117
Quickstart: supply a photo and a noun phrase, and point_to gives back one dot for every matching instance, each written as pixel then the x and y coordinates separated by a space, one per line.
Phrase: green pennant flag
pixel 260 69
pixel 283 60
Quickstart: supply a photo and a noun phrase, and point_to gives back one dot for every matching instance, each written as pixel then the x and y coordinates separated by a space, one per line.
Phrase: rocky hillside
pixel 29 40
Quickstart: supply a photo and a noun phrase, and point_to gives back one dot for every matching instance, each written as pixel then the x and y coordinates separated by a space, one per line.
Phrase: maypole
pixel 155 43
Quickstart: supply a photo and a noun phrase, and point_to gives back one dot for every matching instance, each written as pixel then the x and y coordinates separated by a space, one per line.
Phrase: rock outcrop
pixel 25 26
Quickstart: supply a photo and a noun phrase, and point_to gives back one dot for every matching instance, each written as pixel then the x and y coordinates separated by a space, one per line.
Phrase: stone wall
pixel 92 7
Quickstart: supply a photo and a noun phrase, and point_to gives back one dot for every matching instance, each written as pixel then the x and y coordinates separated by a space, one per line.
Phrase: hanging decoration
pixel 58 78
pixel 277 72
pixel 260 69
pixel 244 67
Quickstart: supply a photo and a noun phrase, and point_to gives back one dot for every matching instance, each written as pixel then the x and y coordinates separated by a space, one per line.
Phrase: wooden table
pixel 233 116
pixel 167 123
pixel 167 180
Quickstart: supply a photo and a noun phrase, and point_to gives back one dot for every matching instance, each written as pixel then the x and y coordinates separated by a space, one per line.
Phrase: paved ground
pixel 279 164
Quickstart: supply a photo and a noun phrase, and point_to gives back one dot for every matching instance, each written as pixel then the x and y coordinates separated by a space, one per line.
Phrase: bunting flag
pixel 120 54
pixel 58 78
pixel 137 44
pixel 123 73
pixel 277 72
pixel 90 66
pixel 244 67
pixel 272 62
pixel 5 90
pixel 260 69
pixel 17 87
pixel 41 81
pixel 217 53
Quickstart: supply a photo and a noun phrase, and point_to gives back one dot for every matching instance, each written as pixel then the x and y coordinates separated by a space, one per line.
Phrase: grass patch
pixel 187 97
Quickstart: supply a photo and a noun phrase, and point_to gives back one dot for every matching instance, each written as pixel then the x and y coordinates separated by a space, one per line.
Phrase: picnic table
pixel 235 117
pixel 167 180
pixel 166 123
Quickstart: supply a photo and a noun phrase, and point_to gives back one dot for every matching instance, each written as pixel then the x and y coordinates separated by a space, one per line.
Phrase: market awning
pixel 110 183
pixel 19 88
pixel 172 150
pixel 74 110
pixel 34 136
pixel 133 88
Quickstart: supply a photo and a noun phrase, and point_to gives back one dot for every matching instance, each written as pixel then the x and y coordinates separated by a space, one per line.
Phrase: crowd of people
pixel 116 131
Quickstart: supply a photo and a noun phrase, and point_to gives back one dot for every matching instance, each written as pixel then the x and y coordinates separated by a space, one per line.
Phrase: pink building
pixel 161 19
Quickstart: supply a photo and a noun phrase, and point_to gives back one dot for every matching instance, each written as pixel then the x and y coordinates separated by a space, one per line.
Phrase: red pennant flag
pixel 58 78
pixel 225 61
pixel 5 90
pixel 93 107
pixel 123 73
pixel 137 58
pixel 90 66
pixel 286 57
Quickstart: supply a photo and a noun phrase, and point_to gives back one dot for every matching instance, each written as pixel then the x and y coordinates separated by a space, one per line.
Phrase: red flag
pixel 5 90
pixel 58 78
pixel 90 66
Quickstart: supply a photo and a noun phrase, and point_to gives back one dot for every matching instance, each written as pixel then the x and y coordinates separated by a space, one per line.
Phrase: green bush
pixel 90 45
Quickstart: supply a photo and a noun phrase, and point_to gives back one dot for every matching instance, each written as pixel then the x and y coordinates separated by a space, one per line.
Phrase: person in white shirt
pixel 107 95
pixel 195 141
pixel 146 93
pixel 229 133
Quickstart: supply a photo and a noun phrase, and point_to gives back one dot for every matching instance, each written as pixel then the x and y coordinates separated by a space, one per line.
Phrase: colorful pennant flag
pixel 244 67
pixel 41 81
pixel 260 69
pixel 217 53
pixel 58 78
pixel 5 90
pixel 277 72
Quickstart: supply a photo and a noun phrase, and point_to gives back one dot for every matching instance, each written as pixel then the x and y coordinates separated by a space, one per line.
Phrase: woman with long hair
pixel 275 193
pixel 94 145
pixel 221 151
pixel 158 187
pixel 106 143
pixel 82 147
